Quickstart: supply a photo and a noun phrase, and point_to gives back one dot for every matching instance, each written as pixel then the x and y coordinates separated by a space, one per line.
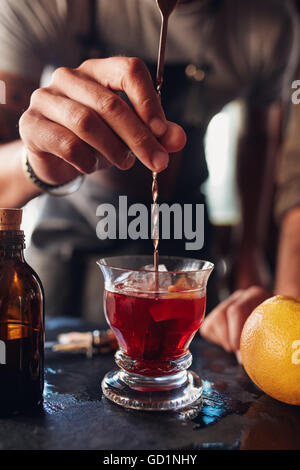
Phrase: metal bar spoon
pixel 166 7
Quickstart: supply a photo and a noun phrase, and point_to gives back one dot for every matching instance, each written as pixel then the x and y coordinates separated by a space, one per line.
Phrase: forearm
pixel 250 172
pixel 257 151
pixel 15 188
pixel 257 148
pixel 288 263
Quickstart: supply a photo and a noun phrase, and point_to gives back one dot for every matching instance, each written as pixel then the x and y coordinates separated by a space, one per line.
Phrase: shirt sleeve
pixel 29 33
pixel 288 172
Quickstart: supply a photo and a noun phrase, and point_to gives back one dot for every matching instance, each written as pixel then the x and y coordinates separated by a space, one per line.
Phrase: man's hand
pixel 224 324
pixel 79 124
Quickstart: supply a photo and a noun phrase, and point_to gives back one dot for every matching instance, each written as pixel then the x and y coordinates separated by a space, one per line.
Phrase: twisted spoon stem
pixel 166 7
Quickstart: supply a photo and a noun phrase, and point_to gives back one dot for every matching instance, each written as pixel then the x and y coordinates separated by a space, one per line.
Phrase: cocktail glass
pixel 154 315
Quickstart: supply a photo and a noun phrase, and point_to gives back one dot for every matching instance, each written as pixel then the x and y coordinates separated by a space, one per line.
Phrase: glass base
pixel 173 392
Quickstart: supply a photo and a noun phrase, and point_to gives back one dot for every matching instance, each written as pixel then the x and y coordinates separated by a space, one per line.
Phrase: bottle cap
pixel 10 219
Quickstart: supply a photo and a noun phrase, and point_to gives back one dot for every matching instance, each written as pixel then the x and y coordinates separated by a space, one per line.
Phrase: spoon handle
pixel 161 54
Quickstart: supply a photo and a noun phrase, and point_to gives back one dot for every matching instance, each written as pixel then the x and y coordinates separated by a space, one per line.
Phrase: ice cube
pixel 144 280
pixel 150 267
pixel 132 281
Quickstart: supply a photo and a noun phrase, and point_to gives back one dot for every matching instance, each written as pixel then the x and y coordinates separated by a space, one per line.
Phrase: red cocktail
pixel 155 315
pixel 154 329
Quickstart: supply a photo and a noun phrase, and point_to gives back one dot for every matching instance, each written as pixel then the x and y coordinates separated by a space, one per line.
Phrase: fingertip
pixel 160 161
pixel 102 163
pixel 203 327
pixel 129 161
pixel 90 165
pixel 201 331
pixel 238 356
pixel 174 138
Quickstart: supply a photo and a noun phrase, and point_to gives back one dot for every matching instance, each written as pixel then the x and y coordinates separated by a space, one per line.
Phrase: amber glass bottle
pixel 21 321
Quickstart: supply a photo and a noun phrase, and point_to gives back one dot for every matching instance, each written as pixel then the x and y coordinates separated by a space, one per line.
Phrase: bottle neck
pixel 12 244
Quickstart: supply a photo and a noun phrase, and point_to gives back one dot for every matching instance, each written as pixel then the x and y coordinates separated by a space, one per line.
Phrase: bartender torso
pixel 217 51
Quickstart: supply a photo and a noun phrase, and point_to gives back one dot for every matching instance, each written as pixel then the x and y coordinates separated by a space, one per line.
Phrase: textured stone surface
pixel 234 414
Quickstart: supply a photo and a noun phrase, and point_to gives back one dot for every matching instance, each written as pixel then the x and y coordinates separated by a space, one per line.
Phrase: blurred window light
pixel 30 215
pixel 220 148
pixel 2 92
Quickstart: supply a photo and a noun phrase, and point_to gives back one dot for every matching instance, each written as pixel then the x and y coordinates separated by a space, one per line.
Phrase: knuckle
pixel 134 70
pixel 109 104
pixel 234 310
pixel 29 138
pixel 84 64
pixel 135 66
pixel 83 121
pixel 24 119
pixel 61 73
pixel 141 140
pixel 147 104
pixel 70 147
pixel 255 290
pixel 28 118
pixel 36 96
pixel 238 292
pixel 215 313
pixel 87 65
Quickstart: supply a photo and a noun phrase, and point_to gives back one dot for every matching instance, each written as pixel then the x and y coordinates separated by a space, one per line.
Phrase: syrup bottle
pixel 21 321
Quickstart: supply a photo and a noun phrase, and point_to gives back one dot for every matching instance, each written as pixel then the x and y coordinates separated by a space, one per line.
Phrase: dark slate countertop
pixel 234 415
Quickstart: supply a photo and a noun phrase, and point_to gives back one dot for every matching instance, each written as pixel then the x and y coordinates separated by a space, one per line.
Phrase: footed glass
pixel 154 315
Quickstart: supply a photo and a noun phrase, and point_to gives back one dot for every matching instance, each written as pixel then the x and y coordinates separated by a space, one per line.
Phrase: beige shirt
pixel 246 45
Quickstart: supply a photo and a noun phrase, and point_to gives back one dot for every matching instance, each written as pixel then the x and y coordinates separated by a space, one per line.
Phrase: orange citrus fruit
pixel 270 348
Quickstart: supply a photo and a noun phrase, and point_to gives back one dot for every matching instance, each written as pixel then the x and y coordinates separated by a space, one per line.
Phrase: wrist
pixel 49 169
pixel 16 189
pixel 290 289
pixel 60 189
pixel 31 188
